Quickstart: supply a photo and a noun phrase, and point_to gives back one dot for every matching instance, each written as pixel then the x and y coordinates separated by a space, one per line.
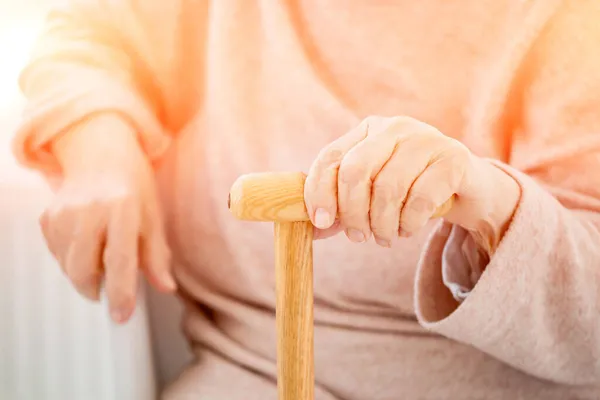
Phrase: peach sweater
pixel 215 89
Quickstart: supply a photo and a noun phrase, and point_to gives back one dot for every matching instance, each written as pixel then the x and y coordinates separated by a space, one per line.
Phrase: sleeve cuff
pixel 485 307
pixel 57 110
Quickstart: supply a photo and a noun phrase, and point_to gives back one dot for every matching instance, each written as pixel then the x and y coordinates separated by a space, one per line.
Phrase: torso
pixel 280 83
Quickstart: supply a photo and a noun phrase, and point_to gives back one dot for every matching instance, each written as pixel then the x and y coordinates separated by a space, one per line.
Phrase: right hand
pixel 105 222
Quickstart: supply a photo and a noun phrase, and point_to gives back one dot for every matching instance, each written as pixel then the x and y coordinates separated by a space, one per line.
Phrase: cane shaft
pixel 294 310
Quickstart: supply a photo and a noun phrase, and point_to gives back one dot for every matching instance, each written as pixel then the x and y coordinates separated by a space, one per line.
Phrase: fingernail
pixel 405 234
pixel 322 218
pixel 383 242
pixel 119 316
pixel 355 235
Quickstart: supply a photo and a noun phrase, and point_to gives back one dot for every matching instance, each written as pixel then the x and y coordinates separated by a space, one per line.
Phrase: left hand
pixel 387 176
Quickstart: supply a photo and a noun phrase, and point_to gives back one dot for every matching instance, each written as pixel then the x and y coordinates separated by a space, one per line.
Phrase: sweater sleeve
pixel 536 303
pixel 123 58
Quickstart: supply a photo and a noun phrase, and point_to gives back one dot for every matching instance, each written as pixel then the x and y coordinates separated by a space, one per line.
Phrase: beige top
pixel 221 88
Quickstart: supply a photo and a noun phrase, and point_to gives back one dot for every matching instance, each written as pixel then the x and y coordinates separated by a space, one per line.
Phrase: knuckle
pixel 456 162
pixel 353 218
pixel 94 206
pixel 463 162
pixel 117 257
pixel 352 172
pixel 102 201
pixel 419 204
pixel 400 121
pixel 107 205
pixel 329 157
pixel 384 192
pixel 399 124
pixel 75 207
pixel 375 125
pixel 371 120
pixel 458 154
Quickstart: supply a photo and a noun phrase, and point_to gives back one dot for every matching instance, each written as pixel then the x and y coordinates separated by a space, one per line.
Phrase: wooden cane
pixel 279 198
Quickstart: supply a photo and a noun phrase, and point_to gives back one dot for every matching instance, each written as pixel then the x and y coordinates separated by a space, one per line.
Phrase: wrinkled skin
pixel 384 178
pixel 104 224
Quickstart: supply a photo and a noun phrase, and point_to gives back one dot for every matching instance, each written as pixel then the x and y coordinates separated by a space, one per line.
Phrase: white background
pixel 53 343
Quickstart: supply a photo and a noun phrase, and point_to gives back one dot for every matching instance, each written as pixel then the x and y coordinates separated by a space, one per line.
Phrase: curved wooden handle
pixel 279 197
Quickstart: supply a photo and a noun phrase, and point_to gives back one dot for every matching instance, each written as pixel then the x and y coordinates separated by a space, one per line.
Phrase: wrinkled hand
pixel 104 223
pixel 387 176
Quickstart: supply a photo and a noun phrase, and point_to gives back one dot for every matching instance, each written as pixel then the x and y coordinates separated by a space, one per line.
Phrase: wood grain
pixel 279 196
pixel 294 310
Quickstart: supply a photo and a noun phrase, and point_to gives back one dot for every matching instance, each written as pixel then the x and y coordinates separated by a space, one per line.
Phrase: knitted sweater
pixel 216 89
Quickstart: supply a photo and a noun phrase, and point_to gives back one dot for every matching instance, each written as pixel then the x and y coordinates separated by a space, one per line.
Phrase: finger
pixel 155 254
pixel 121 259
pixel 391 186
pixel 83 260
pixel 355 179
pixel 430 190
pixel 333 230
pixel 320 187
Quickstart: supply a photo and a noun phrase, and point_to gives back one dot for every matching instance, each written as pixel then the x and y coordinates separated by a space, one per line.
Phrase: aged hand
pixel 387 176
pixel 104 223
